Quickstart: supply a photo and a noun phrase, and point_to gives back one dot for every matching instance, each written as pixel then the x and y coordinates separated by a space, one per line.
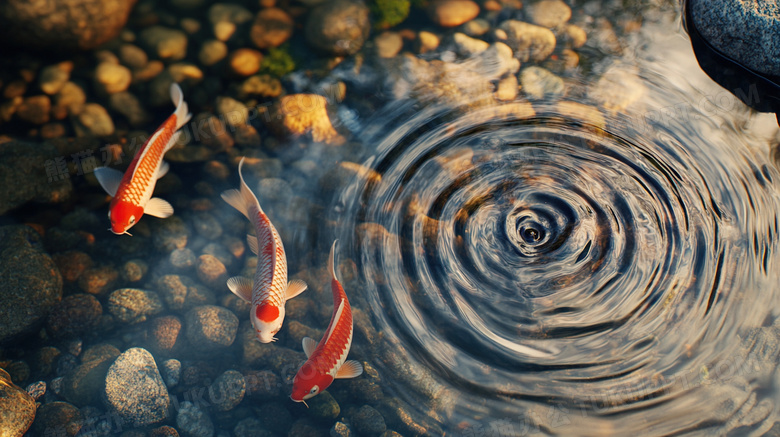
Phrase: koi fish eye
pixel 314 390
pixel 109 214
pixel 132 219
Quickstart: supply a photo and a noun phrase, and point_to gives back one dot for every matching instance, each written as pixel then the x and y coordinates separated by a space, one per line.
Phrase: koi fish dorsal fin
pixel 332 261
pixel 294 288
pixel 109 179
pixel 241 200
pixel 241 287
pixel 350 369
pixel 157 207
pixel 335 319
pixel 309 345
pixel 182 110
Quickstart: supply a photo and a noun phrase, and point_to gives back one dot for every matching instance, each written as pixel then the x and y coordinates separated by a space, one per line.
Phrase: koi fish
pixel 326 360
pixel 270 290
pixel 132 192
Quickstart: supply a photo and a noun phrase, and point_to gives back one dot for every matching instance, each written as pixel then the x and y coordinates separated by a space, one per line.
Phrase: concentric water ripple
pixel 548 273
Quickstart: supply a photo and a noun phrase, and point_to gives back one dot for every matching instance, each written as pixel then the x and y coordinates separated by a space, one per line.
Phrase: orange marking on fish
pixel 267 313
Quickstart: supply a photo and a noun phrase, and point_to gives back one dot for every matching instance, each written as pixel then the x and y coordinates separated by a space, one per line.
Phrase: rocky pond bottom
pixel 550 222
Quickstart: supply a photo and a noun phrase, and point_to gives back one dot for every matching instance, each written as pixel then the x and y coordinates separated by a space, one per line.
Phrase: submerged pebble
pixel 135 390
pixel 228 390
pixel 210 328
pixel 132 305
pixel 192 421
pixel 17 407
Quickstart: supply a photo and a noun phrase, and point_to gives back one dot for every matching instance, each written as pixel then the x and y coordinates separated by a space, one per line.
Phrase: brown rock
pixel 272 27
pixel 245 62
pixel 35 109
pixel 98 280
pixel 451 13
pixel 72 264
pixel 164 332
pixel 74 316
pixel 211 271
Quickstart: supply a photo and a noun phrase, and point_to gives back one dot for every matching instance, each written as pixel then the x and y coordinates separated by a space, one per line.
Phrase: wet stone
pixel 250 427
pixel 262 384
pixel 261 85
pixel 93 121
pixel 135 390
pixel 219 252
pixel 368 421
pixel 211 271
pixel 467 46
pixel 36 390
pixel 52 78
pixel 30 284
pixel 165 43
pixel 528 41
pixel 57 418
pixel 549 13
pixel 340 429
pixel 206 225
pixel 72 264
pixel 234 112
pixel 192 421
pixel 34 109
pixel 271 28
pixel 83 384
pixel 171 372
pixel 170 234
pixel 211 52
pixel 226 17
pixel 128 105
pixel 181 292
pixel 185 72
pixel 164 332
pixel 305 427
pixel 210 328
pixel 132 305
pixel 69 100
pixel 388 44
pixel 112 78
pixel 575 36
pixel 228 390
pixel 451 13
pixel 98 280
pixel 245 62
pixel 275 417
pixel 182 258
pixel 164 431
pixel 44 361
pixel 133 56
pixel 338 27
pixel 324 407
pixel 75 315
pixel 134 270
pixel 538 83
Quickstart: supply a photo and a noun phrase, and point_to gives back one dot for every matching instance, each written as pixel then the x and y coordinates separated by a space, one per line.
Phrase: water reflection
pixel 571 274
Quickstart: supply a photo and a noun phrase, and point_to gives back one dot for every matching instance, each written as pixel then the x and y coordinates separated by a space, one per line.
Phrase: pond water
pixel 595 258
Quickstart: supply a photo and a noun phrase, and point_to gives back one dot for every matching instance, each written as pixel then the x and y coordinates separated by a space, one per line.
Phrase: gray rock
pixel 210 327
pixel 74 316
pixel 193 422
pixel 182 258
pixel 747 31
pixel 182 293
pixel 56 25
pixel 128 105
pixel 135 390
pixel 57 418
pixel 324 407
pixel 30 283
pixel 131 305
pixel 528 41
pixel 170 234
pixel 133 56
pixel 251 427
pixel 228 390
pixel 17 407
pixel 171 372
pixel 82 385
pixel 338 27
pixel 368 421
pixel 538 83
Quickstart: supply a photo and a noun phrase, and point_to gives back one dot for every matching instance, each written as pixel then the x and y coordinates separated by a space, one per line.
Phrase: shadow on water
pixel 556 268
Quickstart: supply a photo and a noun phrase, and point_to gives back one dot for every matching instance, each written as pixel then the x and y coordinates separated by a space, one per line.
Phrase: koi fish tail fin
pixel 331 260
pixel 243 199
pixel 182 112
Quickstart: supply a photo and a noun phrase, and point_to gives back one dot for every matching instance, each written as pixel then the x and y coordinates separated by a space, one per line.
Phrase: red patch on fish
pixel 267 313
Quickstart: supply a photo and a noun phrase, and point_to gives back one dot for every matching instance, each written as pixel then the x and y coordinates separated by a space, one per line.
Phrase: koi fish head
pixel 123 216
pixel 308 382
pixel 267 320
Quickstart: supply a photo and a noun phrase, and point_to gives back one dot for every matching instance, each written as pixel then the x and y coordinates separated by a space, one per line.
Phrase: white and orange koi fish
pixel 327 359
pixel 270 290
pixel 132 192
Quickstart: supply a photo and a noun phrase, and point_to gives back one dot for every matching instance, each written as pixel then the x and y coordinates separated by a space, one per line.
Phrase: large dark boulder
pixel 61 24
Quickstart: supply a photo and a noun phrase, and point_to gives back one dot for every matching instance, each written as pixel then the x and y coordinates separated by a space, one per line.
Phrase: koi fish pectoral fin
pixel 251 241
pixel 164 167
pixel 241 287
pixel 350 369
pixel 109 179
pixel 294 288
pixel 309 345
pixel 157 207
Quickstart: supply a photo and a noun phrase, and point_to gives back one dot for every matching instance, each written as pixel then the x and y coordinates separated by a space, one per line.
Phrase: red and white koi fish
pixel 327 359
pixel 132 192
pixel 270 290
